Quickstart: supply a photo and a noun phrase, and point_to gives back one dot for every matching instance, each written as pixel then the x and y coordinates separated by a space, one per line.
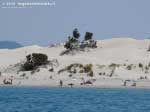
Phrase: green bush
pixel 88 68
pixel 23 75
pixel 129 67
pixel 76 33
pixel 27 66
pixel 146 68
pixel 39 59
pixel 114 65
pixel 140 65
pixel 88 36
pixel 34 60
pixel 61 70
pixel 81 71
pixel 91 74
pixel 73 42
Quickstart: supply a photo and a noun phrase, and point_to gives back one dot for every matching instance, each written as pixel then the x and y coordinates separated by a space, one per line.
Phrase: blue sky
pixel 105 18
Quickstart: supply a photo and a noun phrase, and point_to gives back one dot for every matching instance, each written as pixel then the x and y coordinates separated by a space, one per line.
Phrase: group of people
pixel 125 83
pixel 61 84
pixel 8 81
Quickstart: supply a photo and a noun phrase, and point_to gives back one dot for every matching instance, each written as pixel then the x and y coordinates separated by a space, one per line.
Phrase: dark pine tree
pixel 76 33
pixel 88 36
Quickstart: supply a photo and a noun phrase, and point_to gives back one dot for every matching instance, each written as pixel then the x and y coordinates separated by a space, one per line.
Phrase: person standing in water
pixel 61 83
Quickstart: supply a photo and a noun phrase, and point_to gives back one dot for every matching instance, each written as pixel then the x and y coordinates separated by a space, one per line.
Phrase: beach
pixel 115 63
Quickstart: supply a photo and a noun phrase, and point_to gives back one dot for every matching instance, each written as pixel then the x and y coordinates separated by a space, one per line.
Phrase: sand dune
pixel 127 53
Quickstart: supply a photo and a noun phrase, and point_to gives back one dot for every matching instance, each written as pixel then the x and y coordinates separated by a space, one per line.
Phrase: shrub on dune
pixel 140 65
pixel 78 68
pixel 88 68
pixel 91 74
pixel 39 59
pixel 74 44
pixel 129 67
pixel 34 60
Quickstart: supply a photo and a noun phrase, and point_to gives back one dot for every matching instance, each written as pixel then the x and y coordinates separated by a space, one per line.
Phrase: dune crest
pixel 113 62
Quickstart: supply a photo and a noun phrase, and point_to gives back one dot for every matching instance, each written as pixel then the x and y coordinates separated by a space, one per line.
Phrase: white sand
pixel 117 50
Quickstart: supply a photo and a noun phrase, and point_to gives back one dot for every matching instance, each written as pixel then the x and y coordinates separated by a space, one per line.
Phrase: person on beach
pixel 61 83
pixel 83 81
pixel 125 83
pixel 51 77
pixel 134 84
pixel 4 81
pixel 11 81
pixel 8 81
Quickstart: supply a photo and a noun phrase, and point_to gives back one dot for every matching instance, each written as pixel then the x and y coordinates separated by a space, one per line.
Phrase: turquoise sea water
pixel 38 99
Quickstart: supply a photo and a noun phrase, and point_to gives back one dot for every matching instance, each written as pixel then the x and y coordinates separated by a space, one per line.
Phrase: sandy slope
pixel 122 51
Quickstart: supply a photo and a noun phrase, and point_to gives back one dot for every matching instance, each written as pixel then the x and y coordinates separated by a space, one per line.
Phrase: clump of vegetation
pixel 91 74
pixel 39 59
pixel 140 65
pixel 146 68
pixel 27 67
pixel 51 70
pixel 100 66
pixel 129 67
pixel 34 60
pixel 61 70
pixel 74 65
pixel 88 41
pixel 88 68
pixel 71 68
pixel 82 69
pixel 73 42
pixel 113 65
pixel 88 36
pixel 23 75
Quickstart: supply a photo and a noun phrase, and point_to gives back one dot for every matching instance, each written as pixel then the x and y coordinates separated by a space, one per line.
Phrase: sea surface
pixel 43 99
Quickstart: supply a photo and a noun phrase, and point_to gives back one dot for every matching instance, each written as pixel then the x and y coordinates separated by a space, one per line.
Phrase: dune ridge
pixel 121 56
